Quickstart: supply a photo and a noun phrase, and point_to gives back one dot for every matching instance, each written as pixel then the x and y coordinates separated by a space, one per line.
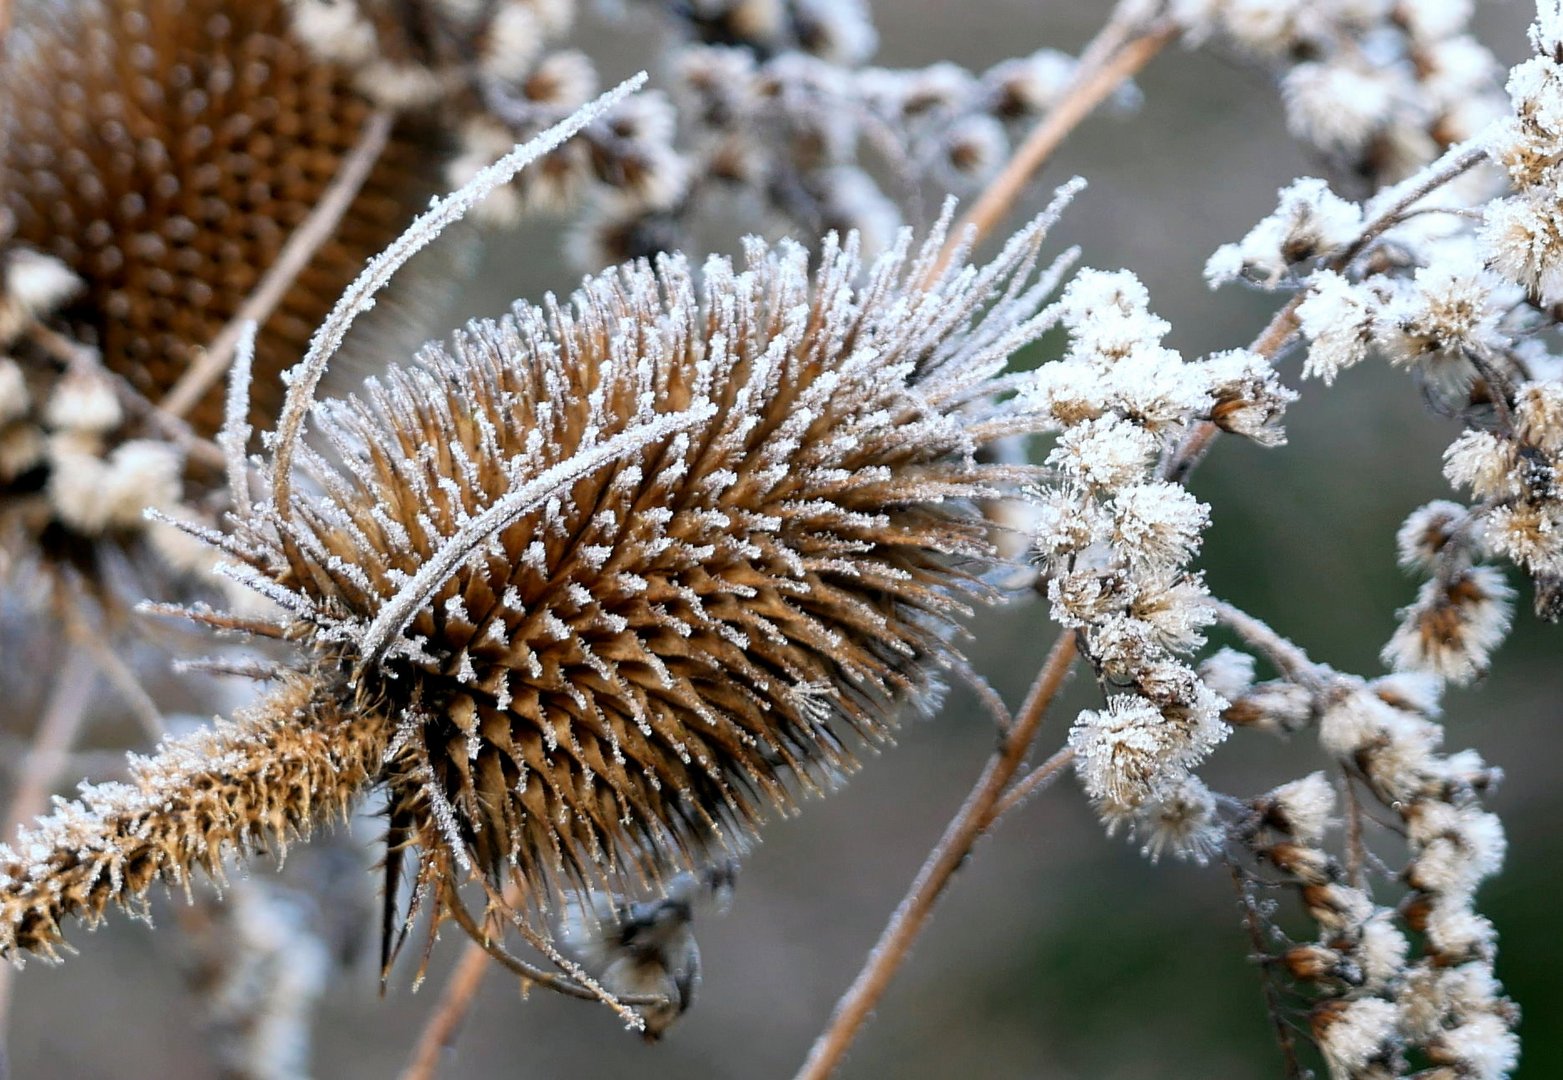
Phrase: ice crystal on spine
pixel 611 576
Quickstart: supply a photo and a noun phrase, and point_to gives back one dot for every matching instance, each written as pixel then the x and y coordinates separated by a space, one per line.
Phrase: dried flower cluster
pixel 1376 1003
pixel 1461 304
pixel 1116 540
pixel 1380 87
pixel 775 117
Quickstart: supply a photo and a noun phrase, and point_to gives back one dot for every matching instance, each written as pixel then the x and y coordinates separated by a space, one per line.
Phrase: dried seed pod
pixel 163 152
pixel 672 542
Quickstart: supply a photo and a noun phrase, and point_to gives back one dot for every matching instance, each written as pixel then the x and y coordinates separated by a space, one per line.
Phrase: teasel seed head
pixel 629 569
pixel 623 572
pixel 162 152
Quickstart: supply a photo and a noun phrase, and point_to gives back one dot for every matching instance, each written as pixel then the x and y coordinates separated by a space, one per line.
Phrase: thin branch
pixel 1252 921
pixel 1283 327
pixel 46 760
pixel 986 696
pixel 118 673
pixel 296 254
pixel 1356 850
pixel 1036 781
pixel 56 734
pixel 1289 658
pixel 976 814
pixel 72 353
pixel 439 1034
pixel 1120 49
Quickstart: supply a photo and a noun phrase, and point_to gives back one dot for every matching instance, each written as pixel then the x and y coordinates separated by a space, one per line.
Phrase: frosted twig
pixel 1356 851
pixel 235 434
pixel 291 261
pixel 358 298
pixel 1037 780
pixel 1253 922
pixel 975 816
pixel 1283 326
pixel 1287 657
pixel 71 353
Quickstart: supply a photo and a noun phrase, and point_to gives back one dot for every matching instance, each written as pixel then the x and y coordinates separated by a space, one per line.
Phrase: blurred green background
pixel 1056 953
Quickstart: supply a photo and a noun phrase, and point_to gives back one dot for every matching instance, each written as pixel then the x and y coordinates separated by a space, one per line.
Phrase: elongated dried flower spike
pixel 298 758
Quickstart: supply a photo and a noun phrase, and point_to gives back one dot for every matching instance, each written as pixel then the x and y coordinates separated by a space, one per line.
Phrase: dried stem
pixel 295 255
pixel 51 746
pixel 976 815
pixel 1253 920
pixel 1118 51
pixel 1288 658
pixel 46 759
pixel 439 1034
pixel 117 672
pixel 1356 851
pixel 1037 780
pixel 1283 326
pixel 72 353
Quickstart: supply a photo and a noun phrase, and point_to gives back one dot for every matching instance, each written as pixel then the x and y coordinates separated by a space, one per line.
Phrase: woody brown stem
pixel 981 808
pixel 439 1034
pixel 1117 53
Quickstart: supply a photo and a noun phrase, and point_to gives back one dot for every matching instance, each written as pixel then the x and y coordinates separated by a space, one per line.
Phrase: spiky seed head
pixel 625 571
pixel 163 151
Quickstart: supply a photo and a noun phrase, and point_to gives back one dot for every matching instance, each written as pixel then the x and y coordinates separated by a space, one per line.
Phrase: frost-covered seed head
pixel 1426 532
pixel 161 224
pixel 1355 1034
pixel 1279 707
pixel 1454 626
pixel 1310 222
pixel 1339 319
pixel 1180 821
pixel 1302 808
pixel 624 571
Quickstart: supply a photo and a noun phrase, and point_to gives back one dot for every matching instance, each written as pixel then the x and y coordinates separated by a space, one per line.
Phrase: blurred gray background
pixel 1056 953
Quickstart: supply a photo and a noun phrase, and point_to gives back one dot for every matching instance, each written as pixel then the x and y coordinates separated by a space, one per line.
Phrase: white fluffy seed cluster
pixel 1115 542
pixel 1379 1001
pixel 1457 286
pixel 1381 86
